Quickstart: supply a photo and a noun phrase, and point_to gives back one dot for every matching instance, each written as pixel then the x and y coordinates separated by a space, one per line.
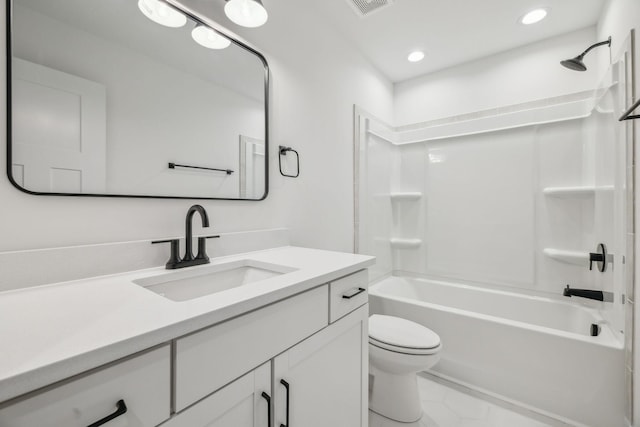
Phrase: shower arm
pixel 593 46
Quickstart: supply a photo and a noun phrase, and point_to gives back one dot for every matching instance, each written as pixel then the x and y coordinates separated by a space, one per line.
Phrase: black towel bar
pixel 175 165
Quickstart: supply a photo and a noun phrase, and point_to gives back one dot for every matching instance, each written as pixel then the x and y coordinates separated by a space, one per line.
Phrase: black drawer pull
pixel 353 294
pixel 121 409
pixel 286 386
pixel 268 399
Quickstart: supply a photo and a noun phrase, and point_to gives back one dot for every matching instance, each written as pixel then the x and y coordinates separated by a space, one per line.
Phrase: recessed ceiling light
pixel 416 56
pixel 534 16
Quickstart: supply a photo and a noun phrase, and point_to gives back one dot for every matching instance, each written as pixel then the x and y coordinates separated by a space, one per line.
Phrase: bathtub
pixel 531 350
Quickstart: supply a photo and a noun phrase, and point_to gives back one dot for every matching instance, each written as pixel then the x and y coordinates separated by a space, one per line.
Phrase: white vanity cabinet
pixel 323 380
pixel 299 362
pixel 320 381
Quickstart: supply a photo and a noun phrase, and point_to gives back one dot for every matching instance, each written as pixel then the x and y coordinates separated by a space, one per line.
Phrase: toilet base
pixel 395 396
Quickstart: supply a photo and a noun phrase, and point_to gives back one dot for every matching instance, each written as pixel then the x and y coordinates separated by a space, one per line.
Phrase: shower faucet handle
pixel 599 257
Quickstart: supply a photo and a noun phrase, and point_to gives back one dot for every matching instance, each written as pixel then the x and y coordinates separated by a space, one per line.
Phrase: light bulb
pixel 161 13
pixel 247 13
pixel 208 38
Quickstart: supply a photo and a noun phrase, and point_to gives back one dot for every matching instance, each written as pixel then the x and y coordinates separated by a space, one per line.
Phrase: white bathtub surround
pixel 485 214
pixel 79 262
pixel 532 350
pixel 473 223
pixel 118 317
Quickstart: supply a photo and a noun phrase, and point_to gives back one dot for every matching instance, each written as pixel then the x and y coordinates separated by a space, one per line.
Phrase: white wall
pixel 617 19
pixel 525 74
pixel 316 80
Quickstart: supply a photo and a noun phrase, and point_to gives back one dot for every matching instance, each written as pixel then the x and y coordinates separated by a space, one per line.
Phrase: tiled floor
pixel 445 406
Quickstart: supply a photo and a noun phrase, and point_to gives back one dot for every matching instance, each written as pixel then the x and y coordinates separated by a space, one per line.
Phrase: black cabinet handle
pixel 121 409
pixel 286 386
pixel 268 399
pixel 351 295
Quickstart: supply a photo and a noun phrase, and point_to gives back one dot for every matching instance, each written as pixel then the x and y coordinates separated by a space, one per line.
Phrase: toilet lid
pixel 403 334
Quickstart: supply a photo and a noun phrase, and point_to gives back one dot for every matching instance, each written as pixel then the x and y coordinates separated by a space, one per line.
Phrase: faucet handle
pixel 599 257
pixel 174 258
pixel 202 246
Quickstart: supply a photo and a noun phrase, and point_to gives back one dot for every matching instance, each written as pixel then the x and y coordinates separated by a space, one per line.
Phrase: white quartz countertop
pixel 49 333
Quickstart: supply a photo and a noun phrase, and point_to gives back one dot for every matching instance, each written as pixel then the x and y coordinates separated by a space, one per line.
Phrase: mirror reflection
pixel 107 96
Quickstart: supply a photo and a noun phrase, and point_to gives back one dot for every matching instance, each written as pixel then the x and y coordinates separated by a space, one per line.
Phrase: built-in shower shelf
pixel 407 195
pixel 398 243
pixel 575 192
pixel 569 257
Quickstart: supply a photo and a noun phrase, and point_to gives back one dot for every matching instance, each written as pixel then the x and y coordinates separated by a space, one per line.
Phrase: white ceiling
pixel 450 32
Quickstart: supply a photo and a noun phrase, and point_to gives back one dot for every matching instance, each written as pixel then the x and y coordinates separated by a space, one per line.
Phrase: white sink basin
pixel 195 282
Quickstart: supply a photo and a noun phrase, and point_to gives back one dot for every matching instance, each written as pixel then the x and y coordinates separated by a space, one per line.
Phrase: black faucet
pixel 588 293
pixel 188 252
pixel 189 260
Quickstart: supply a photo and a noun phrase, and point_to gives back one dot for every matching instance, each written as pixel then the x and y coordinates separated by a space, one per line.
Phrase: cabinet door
pixel 243 403
pixel 323 380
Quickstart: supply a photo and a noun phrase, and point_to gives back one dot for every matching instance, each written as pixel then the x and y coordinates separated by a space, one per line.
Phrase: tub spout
pixel 588 293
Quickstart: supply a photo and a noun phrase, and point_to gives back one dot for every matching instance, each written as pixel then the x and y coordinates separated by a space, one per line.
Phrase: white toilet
pixel 398 349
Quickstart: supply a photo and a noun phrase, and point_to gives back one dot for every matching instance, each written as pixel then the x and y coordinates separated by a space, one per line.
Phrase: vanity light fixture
pixel 161 13
pixel 534 16
pixel 246 13
pixel 416 56
pixel 209 38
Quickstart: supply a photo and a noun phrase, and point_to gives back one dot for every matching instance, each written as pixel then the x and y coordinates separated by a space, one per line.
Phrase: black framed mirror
pixel 107 99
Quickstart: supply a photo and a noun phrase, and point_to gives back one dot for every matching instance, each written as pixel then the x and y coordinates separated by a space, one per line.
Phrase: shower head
pixel 576 63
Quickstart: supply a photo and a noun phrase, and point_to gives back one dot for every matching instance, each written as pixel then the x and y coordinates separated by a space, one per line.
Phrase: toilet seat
pixel 402 336
pixel 405 350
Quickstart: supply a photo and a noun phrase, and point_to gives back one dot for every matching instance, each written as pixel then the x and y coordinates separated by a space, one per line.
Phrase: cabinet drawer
pixel 142 382
pixel 209 359
pixel 347 294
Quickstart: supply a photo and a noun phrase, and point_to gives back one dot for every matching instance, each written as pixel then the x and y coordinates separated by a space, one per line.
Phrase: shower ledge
pixel 569 257
pixel 398 243
pixel 575 191
pixel 406 195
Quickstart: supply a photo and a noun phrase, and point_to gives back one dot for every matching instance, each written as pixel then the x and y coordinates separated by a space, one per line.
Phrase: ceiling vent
pixel 367 7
